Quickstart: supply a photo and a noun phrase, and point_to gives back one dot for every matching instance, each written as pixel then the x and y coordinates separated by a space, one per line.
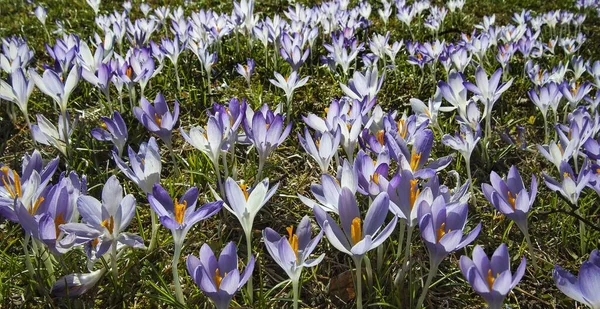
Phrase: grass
pixel 145 279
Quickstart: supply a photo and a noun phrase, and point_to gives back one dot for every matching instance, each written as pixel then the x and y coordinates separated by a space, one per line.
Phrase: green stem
pixel 533 258
pixel 582 244
pixel 401 237
pixel 296 288
pixel 28 263
pixel 176 283
pixel 358 262
pixel 177 78
pixel 113 261
pixel 261 165
pixel 42 251
pixel 249 255
pixel 432 273
pixel 153 239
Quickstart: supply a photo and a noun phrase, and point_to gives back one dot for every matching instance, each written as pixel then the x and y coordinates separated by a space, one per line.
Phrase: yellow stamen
pixel 379 136
pixel 318 142
pixel 293 239
pixel 95 242
pixel 375 178
pixel 420 56
pixel 13 189
pixel 415 158
pixel 157 119
pixel 109 224
pixel 129 71
pixel 402 128
pixel 244 190
pixel 57 222
pixel 218 278
pixel 103 125
pixel 441 232
pixel 490 279
pixel 36 205
pixel 326 110
pixel 566 175
pixel 414 192
pixel 179 210
pixel 512 199
pixel 356 230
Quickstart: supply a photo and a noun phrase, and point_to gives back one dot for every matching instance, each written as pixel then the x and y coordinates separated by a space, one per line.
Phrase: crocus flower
pixel 145 165
pixel 180 216
pixel 246 70
pixel 569 184
pixel 18 91
pixel 57 207
pixel 103 223
pixel 210 140
pixel 288 84
pixel 584 288
pixel 95 5
pixel 454 92
pixel 488 90
pixel 292 252
pixel 328 192
pixel 464 141
pixel 76 284
pixel 245 205
pixel 266 132
pixel 51 84
pixel 442 226
pixel 510 197
pixel 354 236
pixel 45 132
pixel 491 278
pixel 157 117
pixel 25 189
pixel 322 148
pixel 41 14
pixel 219 278
pixel 114 130
pixel 364 86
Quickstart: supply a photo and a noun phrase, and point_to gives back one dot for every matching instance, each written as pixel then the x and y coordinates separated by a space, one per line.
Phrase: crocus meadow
pixel 341 154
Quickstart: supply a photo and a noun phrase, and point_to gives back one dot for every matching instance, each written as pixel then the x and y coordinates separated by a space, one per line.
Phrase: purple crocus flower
pixel 328 192
pixel 266 132
pixel 569 184
pixel 246 70
pixel 442 226
pixel 491 278
pixel 292 253
pixel 354 236
pixel 41 13
pixel 24 189
pixel 57 208
pixel 291 50
pixel 488 90
pixel 15 54
pixel 179 216
pixel 157 117
pixel 114 130
pixel 322 148
pixel 364 86
pixel 51 84
pixel 18 91
pixel 76 284
pixel 219 278
pixel 103 223
pixel 584 288
pixel 510 197
pixel 145 165
pixel 288 84
pixel 575 92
